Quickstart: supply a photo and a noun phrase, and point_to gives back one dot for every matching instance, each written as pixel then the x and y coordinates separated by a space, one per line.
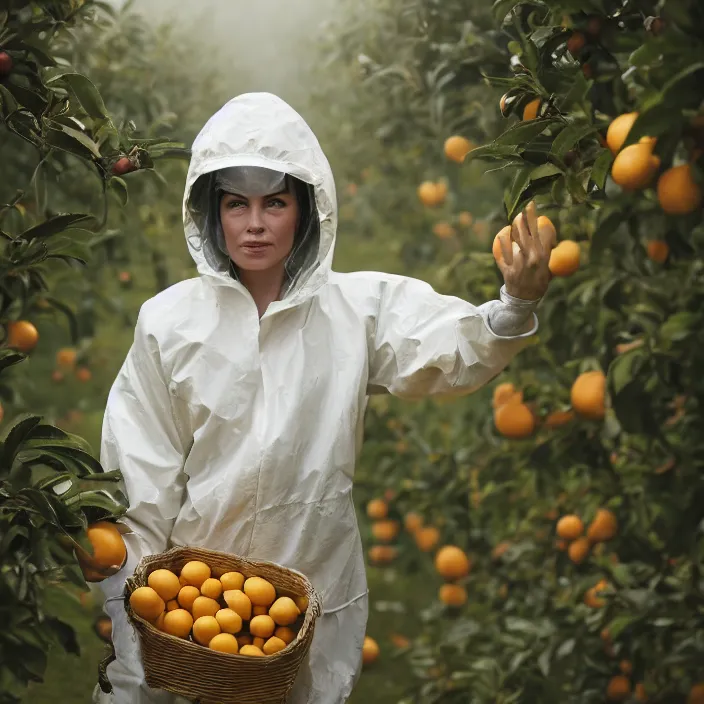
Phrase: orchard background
pixel 537 541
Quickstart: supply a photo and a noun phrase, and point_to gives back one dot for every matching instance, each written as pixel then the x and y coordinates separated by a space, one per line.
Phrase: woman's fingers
pixel 532 216
pixel 506 248
pixel 524 238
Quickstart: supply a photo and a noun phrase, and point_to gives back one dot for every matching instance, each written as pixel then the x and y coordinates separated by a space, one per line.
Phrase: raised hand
pixel 522 252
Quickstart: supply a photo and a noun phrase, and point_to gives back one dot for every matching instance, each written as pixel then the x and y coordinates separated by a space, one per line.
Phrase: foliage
pixel 526 633
pixel 65 156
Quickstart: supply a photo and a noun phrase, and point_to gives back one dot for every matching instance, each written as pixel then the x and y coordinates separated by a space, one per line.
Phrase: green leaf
pixel 14 436
pixel 571 135
pixel 525 132
pixel 87 94
pixel 679 326
pixel 513 195
pixel 9 358
pixel 493 151
pixel 58 139
pixel 602 168
pixel 119 188
pixel 64 634
pixel 80 137
pixel 682 75
pixel 625 368
pixel 57 224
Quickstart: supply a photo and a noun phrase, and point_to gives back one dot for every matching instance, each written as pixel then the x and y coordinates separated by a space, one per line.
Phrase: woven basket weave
pixel 193 671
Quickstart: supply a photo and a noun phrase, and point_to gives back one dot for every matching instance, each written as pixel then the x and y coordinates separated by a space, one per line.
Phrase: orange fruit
pixel 640 693
pixel 145 602
pixel 273 645
pixel 301 602
pixel 108 546
pixel 165 583
pixel 570 527
pixel 251 651
pixel 385 531
pixel 443 230
pixel 678 192
pixel 377 509
pixel 530 111
pixel 211 588
pixel 557 419
pixel 232 580
pixel 83 374
pixel 195 573
pixel 546 230
pixel 696 694
pixel 284 611
pixel 451 562
pixel 262 626
pixel 427 538
pixel 244 639
pixel 382 554
pixel 431 194
pixel 658 251
pixel 452 595
pixel 205 629
pixel 500 550
pixel 506 393
pixel 626 666
pixel 592 599
pixel 464 219
pixel 224 643
pixel 57 376
pixel 370 650
pixel 588 395
pixel 66 357
pixel 618 689
pixel 618 131
pixel 229 621
pixel 159 621
pixel 286 634
pixel 576 43
pixel 578 550
pixel 204 606
pixel 259 611
pixel 413 522
pixel 604 526
pixel 22 336
pixel 259 591
pixel 514 420
pixel 457 147
pixel 178 623
pixel 186 596
pixel 172 604
pixel 564 258
pixel 635 166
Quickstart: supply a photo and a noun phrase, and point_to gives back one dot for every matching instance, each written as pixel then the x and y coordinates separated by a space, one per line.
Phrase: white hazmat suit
pixel 240 434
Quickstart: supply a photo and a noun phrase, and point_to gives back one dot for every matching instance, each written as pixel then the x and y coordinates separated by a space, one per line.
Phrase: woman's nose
pixel 256 218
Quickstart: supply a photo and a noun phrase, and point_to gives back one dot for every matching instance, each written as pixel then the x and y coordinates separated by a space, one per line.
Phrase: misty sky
pixel 266 43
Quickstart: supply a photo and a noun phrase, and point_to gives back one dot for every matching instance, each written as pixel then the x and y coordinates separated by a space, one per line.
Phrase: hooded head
pixel 261 130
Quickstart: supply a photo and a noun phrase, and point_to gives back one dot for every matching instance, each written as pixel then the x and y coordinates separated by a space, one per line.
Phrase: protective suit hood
pixel 259 129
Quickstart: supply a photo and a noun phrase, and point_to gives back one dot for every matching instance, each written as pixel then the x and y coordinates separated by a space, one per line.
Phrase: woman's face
pixel 259 231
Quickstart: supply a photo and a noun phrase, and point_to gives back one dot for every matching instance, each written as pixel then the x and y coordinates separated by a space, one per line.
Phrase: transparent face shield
pixel 251 182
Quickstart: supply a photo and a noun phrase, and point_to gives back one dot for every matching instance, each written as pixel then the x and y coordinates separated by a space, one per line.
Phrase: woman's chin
pixel 255 263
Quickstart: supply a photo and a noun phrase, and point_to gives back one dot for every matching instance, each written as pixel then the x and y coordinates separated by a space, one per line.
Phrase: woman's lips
pixel 255 247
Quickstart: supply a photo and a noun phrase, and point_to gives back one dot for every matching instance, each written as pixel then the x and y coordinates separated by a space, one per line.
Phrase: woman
pixel 237 415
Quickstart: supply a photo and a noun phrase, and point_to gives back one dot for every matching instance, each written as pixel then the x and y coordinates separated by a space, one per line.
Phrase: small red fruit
pixel 6 64
pixel 122 166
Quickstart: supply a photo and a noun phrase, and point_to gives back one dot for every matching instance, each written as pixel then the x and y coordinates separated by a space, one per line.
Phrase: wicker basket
pixel 209 677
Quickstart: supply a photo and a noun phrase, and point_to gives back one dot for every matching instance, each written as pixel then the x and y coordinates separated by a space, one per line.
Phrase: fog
pixel 264 45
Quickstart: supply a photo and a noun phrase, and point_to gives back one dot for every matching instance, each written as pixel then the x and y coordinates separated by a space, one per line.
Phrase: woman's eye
pixel 235 203
pixel 277 202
